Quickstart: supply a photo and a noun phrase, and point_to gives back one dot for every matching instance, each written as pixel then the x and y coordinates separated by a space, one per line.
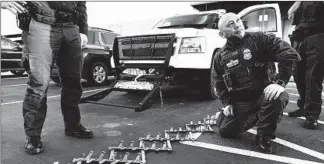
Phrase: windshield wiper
pixel 185 25
pixel 170 26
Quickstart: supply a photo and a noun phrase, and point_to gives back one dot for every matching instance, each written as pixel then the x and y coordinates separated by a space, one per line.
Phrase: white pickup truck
pixel 196 40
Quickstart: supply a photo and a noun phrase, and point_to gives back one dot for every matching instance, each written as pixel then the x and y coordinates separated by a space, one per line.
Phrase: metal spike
pixel 202 128
pixel 89 155
pixel 180 129
pixel 120 144
pixel 112 155
pixel 191 123
pixel 138 157
pixel 126 156
pixel 78 160
pixel 189 136
pixel 199 122
pixel 169 144
pixel 204 120
pixel 177 136
pixel 166 134
pixel 158 136
pixel 164 145
pixel 188 128
pixel 141 144
pixel 171 129
pixel 198 128
pixel 208 117
pixel 209 128
pixel 153 145
pixel 102 154
pixel 131 145
pixel 148 135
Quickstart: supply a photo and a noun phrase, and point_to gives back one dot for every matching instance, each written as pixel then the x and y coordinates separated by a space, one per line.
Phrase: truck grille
pixel 146 47
pixel 11 54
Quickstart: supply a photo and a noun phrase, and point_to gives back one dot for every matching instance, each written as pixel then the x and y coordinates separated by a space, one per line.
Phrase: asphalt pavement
pixel 110 125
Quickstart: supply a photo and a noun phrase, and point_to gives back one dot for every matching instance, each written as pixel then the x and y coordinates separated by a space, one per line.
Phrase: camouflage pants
pixel 45 44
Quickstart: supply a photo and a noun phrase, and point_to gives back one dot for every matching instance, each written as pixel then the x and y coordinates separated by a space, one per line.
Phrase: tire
pixel 208 83
pixel 98 73
pixel 18 73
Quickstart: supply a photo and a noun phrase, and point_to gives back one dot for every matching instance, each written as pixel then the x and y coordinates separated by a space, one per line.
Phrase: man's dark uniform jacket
pixel 241 65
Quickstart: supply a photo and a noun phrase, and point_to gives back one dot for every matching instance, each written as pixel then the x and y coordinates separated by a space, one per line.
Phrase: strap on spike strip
pixel 181 134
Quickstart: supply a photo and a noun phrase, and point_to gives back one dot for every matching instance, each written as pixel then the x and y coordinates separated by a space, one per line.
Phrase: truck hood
pixel 180 32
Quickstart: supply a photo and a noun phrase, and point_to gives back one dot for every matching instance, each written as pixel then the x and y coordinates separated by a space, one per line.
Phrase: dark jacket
pixel 261 48
pixel 69 6
pixel 310 14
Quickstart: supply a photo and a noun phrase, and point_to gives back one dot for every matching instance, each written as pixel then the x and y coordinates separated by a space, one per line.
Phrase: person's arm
pixel 279 51
pixel 82 21
pixel 221 88
pixel 14 7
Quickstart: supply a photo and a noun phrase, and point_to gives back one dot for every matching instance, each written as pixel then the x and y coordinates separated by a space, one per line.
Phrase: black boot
pixel 33 145
pixel 79 131
pixel 297 113
pixel 263 144
pixel 310 123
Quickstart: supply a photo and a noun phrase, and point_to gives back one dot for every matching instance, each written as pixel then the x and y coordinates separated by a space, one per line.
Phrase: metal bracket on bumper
pixel 146 103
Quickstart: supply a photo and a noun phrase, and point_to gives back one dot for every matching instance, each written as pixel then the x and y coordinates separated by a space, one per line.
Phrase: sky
pixel 122 17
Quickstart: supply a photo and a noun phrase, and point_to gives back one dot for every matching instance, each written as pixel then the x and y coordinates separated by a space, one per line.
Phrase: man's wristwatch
pixel 281 83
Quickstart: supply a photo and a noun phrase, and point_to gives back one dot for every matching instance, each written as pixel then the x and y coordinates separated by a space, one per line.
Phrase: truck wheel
pixel 98 73
pixel 208 82
pixel 17 73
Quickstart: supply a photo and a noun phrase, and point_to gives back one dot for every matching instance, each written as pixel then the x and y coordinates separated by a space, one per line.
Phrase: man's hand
pixel 273 91
pixel 14 7
pixel 228 110
pixel 84 39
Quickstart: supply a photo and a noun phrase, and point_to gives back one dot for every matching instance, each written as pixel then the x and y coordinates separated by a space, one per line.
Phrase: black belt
pixel 49 16
pixel 51 21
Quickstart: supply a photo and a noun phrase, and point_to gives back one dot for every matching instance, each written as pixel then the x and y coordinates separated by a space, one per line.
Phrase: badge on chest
pixel 232 63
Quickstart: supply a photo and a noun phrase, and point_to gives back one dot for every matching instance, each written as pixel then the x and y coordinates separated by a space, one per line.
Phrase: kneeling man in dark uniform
pixel 249 92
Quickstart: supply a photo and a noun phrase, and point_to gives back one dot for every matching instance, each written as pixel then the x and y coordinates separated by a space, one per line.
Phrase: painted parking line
pixel 295 102
pixel 294 94
pixel 303 118
pixel 288 88
pixel 296 147
pixel 49 97
pixel 249 153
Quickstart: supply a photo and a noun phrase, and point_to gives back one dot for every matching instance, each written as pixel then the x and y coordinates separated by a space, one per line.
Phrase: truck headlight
pixel 192 45
pixel 8 44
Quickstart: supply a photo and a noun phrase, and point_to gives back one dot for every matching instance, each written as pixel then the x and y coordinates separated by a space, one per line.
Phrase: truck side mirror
pixel 245 23
pixel 215 23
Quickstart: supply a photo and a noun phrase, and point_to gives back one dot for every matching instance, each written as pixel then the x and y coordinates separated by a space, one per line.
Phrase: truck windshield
pixel 202 20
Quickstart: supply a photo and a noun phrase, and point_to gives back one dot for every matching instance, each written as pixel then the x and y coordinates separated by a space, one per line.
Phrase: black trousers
pixel 258 112
pixel 299 77
pixel 312 48
pixel 45 44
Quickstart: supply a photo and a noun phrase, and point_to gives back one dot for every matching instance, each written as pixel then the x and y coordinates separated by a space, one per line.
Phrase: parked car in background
pixel 96 57
pixel 11 52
